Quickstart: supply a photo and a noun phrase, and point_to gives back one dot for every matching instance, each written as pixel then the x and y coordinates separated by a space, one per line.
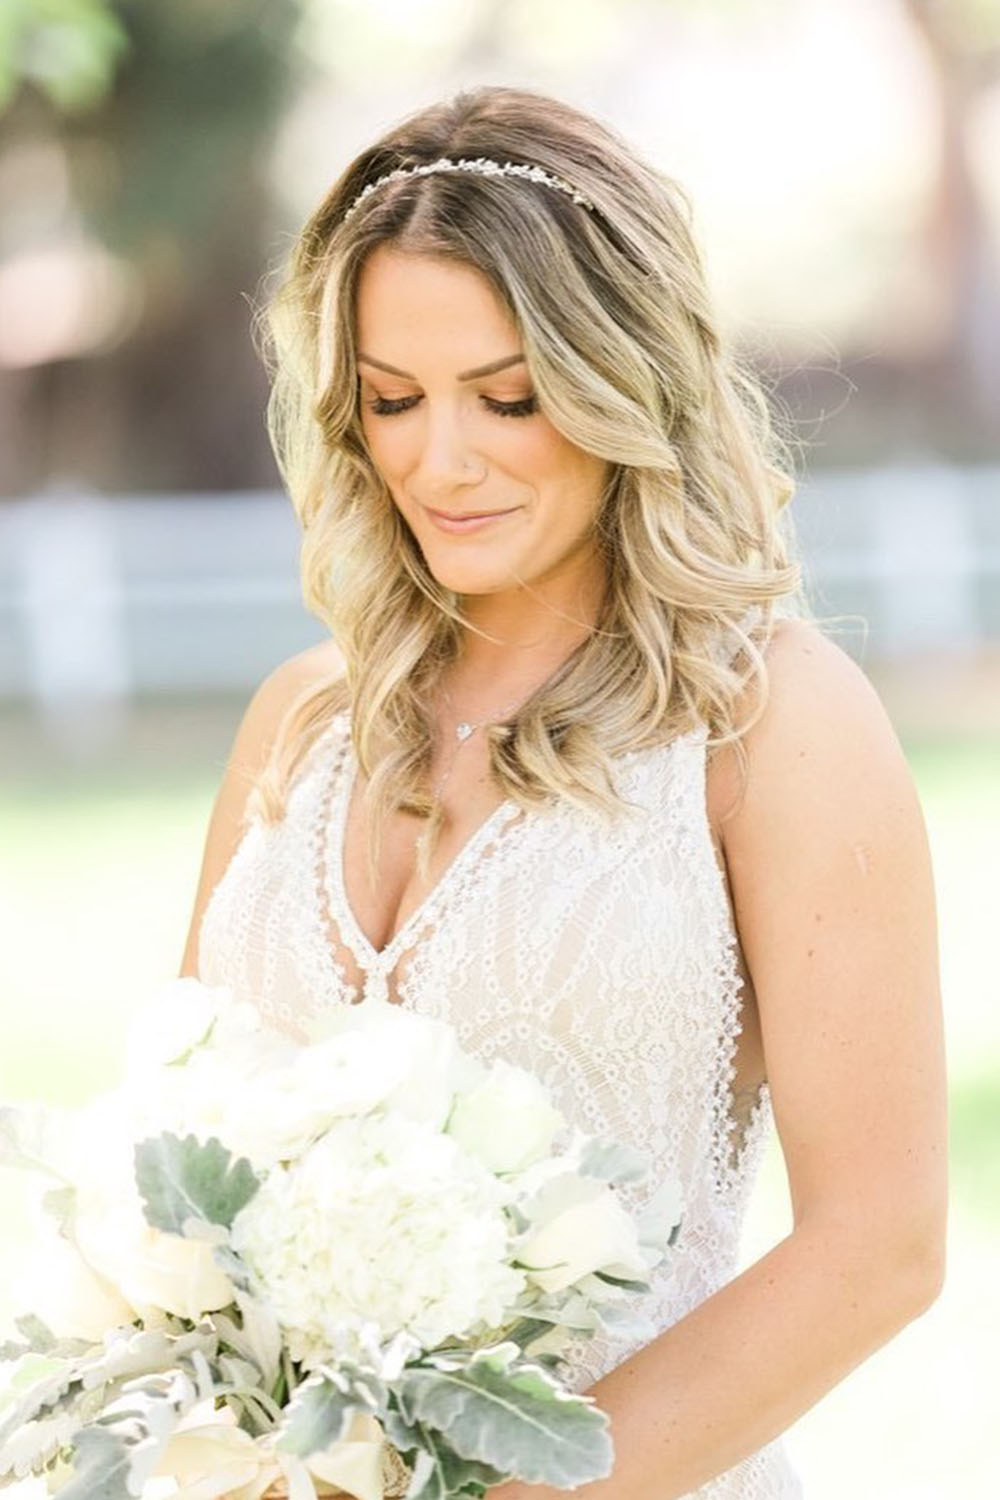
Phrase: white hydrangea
pixel 384 1221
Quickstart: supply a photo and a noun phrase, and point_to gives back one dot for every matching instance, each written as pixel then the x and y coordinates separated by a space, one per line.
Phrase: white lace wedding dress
pixel 603 961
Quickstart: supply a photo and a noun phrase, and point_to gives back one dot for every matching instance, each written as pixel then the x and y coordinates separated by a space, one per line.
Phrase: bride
pixel 577 770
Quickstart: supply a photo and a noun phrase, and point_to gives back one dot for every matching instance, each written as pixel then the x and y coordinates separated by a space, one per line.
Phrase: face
pixel 495 496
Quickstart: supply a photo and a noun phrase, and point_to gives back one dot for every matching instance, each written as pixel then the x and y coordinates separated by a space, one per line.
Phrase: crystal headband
pixel 484 165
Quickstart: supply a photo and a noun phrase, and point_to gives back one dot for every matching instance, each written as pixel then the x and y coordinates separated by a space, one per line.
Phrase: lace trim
pixel 382 972
pixel 736 1144
pixel 317 846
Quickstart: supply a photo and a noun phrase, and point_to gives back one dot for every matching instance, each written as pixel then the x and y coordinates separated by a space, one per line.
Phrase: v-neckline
pixel 384 958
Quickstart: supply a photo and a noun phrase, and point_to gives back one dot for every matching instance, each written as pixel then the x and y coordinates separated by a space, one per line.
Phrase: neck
pixel 521 635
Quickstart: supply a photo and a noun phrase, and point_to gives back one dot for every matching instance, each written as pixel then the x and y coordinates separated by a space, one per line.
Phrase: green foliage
pixel 69 49
pixel 139 1385
pixel 974 1144
pixel 320 1410
pixel 257 1337
pixel 188 1179
pixel 102 1464
pixel 438 1471
pixel 29 1136
pixel 614 1161
pixel 509 1415
pixel 191 122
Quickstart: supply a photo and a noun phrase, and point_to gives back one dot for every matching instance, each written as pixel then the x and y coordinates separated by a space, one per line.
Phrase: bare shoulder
pixel 320 662
pixel 824 731
pixel 277 692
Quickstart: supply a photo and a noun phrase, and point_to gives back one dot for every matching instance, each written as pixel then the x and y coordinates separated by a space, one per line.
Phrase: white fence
pixel 105 598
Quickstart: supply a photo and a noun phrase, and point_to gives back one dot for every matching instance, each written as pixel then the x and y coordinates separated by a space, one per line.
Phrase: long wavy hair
pixel 627 362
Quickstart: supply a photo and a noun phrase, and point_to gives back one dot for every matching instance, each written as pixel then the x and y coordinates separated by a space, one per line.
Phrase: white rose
pixel 418 1058
pixel 151 1268
pixel 67 1294
pixel 209 1453
pixel 581 1228
pixel 436 1069
pixel 290 1106
pixel 172 1020
pixel 507 1121
pixel 153 1271
pixel 208 1446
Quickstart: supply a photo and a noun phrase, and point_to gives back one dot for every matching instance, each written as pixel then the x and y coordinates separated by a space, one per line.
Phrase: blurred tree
pixel 142 129
pixel 962 42
pixel 68 48
pixel 167 163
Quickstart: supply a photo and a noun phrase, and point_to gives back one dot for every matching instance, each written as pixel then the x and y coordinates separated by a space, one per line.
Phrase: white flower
pixel 384 1221
pixel 417 1058
pixel 581 1227
pixel 268 1098
pixel 150 1268
pixel 66 1293
pixel 288 1107
pixel 172 1020
pixel 208 1457
pixel 508 1121
pixel 437 1068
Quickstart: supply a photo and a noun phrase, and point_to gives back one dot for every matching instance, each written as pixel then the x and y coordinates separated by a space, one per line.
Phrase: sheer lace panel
pixel 601 957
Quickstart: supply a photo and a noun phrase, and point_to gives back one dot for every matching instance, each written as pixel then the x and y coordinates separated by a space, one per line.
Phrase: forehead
pixel 408 301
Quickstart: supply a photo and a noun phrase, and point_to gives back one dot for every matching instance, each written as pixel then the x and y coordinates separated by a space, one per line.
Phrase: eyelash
pixel 523 408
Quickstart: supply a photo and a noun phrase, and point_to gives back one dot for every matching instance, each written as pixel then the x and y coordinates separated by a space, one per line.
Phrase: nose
pixel 446 457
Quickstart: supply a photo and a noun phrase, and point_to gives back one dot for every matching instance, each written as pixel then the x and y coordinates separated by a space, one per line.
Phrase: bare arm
pixel 251 747
pixel 833 893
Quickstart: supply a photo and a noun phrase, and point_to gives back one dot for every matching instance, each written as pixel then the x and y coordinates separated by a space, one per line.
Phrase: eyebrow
pixel 490 369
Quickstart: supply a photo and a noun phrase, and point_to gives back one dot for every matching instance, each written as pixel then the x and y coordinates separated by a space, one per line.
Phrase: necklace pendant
pixel 462 731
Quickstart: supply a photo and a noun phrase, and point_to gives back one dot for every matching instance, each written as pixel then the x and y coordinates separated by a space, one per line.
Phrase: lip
pixel 472 522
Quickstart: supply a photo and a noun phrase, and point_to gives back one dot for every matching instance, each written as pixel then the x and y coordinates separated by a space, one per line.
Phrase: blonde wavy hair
pixel 628 363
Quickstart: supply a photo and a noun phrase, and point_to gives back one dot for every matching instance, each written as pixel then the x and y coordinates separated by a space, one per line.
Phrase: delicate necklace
pixel 467 727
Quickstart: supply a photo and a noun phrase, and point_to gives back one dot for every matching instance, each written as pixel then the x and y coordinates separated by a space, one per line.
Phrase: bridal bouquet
pixel 346 1265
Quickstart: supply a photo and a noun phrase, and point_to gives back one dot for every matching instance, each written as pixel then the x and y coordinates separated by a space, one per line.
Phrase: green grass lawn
pixel 98 870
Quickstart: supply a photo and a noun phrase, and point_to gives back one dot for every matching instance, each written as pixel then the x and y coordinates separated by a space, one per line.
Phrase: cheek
pixel 381 448
pixel 538 452
pixel 572 485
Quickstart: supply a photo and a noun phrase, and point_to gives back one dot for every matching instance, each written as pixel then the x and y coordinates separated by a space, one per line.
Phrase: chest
pixel 549 910
pixel 386 898
pixel 540 903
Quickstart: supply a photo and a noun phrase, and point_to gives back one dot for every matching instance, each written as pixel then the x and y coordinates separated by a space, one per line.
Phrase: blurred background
pixel 156 160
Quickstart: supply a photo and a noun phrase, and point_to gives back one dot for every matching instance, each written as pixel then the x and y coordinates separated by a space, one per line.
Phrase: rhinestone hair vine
pixel 484 165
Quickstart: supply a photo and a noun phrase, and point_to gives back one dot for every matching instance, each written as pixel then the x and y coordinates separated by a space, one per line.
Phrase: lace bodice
pixel 603 959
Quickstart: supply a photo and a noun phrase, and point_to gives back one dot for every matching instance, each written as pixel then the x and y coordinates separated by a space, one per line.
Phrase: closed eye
pixel 523 408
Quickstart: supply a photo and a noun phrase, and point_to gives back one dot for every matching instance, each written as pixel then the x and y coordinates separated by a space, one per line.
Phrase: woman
pixel 580 774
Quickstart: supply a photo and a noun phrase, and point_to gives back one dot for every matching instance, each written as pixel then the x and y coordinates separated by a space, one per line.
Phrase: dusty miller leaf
pixel 514 1417
pixel 35 1382
pixel 320 1410
pixel 187 1178
pixel 39 1336
pixel 30 1137
pixel 35 1443
pixel 257 1340
pixel 60 1202
pixel 102 1463
pixel 613 1161
pixel 136 1353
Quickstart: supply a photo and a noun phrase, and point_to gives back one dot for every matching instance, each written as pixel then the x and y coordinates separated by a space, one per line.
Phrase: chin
pixel 470 580
pixel 466 575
